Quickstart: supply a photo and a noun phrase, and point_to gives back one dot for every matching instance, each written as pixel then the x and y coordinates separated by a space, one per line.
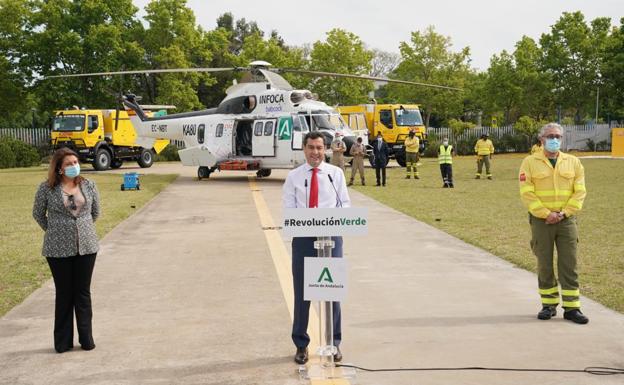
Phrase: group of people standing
pixel 552 187
pixel 484 149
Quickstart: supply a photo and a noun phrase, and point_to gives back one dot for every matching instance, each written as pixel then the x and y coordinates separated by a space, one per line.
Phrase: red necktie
pixel 314 189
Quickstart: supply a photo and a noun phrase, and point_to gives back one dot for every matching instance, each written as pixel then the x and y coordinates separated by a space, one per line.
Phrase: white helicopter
pixel 259 125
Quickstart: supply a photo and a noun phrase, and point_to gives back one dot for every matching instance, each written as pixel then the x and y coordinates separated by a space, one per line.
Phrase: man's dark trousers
pixel 304 247
pixel 381 169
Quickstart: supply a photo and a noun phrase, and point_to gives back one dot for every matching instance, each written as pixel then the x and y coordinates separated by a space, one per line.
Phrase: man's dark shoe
pixel 350 184
pixel 489 177
pixel 377 185
pixel 416 177
pixel 338 355
pixel 575 316
pixel 478 177
pixel 407 177
pixel 301 357
pixel 547 312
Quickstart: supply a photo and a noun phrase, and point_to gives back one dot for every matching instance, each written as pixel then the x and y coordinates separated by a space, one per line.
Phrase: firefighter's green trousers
pixel 544 238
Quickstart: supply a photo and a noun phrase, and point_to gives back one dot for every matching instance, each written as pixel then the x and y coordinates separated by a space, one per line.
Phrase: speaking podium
pixel 325 278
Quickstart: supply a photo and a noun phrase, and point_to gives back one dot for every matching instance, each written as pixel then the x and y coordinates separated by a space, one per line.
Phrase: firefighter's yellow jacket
pixel 545 189
pixel 484 147
pixel 412 144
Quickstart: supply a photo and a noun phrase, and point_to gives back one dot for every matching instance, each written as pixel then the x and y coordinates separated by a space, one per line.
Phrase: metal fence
pixel 37 137
pixel 575 137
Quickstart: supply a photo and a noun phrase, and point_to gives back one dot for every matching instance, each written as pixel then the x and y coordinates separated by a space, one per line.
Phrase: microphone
pixel 306 189
pixel 331 180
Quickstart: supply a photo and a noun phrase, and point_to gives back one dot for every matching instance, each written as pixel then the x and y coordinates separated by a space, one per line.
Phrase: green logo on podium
pixel 325 276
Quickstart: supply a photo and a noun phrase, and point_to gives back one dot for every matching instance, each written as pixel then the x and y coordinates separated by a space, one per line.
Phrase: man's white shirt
pixel 295 194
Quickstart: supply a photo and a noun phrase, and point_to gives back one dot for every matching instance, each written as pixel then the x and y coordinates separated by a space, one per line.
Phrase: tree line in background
pixel 561 76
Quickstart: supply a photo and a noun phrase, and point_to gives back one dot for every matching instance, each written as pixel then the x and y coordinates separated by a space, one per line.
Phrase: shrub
pixel 169 153
pixel 591 146
pixel 603 145
pixel 15 153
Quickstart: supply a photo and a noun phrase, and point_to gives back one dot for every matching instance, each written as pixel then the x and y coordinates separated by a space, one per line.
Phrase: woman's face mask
pixel 72 171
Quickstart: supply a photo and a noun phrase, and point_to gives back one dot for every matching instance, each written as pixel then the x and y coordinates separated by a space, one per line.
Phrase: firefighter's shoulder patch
pixel 522 177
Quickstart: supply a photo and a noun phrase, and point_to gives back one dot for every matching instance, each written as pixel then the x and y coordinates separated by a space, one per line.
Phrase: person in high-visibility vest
pixel 445 158
pixel 552 187
pixel 412 146
pixel 484 150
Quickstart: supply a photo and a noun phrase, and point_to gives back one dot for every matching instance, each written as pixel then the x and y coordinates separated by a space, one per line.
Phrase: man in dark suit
pixel 380 152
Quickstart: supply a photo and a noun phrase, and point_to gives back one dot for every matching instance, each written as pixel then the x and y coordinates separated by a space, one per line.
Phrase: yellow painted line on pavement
pixel 282 261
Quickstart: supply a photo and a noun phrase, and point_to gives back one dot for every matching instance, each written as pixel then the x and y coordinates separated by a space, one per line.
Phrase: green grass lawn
pixel 490 215
pixel 22 268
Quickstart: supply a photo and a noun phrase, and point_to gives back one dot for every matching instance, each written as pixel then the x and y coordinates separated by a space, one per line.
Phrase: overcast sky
pixel 487 27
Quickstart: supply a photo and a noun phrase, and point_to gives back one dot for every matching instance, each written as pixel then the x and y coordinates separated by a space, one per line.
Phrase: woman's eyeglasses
pixel 72 202
pixel 552 136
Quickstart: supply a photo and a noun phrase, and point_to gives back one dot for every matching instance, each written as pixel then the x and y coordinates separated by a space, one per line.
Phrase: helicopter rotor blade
pixel 366 77
pixel 157 71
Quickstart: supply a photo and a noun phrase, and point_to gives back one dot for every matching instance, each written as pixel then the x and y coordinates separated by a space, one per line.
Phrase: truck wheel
pixel 102 160
pixel 116 163
pixel 146 159
pixel 203 172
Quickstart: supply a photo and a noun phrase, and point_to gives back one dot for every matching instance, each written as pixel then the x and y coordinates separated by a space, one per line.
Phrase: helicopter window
pixel 200 133
pixel 69 123
pixel 322 121
pixel 258 129
pixel 337 121
pixel 268 129
pixel 405 117
pixel 219 130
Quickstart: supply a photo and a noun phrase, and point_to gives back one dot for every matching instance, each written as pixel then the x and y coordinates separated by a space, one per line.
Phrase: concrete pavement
pixel 187 291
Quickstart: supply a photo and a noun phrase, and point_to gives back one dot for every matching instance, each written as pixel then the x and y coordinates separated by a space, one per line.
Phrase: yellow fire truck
pixel 394 121
pixel 101 139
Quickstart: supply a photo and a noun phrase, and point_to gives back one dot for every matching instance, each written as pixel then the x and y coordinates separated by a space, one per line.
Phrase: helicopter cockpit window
pixel 200 133
pixel 405 117
pixel 337 121
pixel 300 124
pixel 322 121
pixel 258 129
pixel 268 129
pixel 69 123
pixel 219 130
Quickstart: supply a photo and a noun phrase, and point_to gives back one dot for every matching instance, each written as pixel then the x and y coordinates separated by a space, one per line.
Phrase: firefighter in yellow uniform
pixel 484 148
pixel 552 187
pixel 412 146
pixel 537 147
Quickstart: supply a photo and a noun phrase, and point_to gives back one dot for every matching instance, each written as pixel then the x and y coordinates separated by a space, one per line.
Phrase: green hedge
pixel 15 153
